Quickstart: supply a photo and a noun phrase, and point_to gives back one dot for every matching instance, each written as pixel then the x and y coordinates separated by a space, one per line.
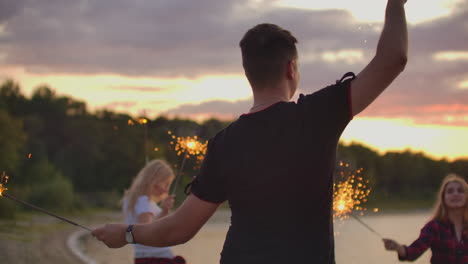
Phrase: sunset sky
pixel 181 58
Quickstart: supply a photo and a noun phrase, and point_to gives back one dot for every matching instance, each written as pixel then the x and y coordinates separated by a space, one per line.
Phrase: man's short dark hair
pixel 266 48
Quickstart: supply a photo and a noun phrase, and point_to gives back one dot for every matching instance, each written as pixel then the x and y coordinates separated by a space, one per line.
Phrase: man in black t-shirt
pixel 274 164
pixel 275 168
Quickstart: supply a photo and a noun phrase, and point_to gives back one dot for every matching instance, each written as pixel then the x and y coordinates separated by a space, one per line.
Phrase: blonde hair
pixel 440 208
pixel 153 172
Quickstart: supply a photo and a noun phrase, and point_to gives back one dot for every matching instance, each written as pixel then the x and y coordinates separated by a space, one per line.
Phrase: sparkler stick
pixel 42 210
pixel 366 225
pixel 179 174
pixel 188 147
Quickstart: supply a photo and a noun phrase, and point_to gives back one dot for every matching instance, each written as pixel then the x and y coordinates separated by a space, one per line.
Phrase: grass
pixel 34 237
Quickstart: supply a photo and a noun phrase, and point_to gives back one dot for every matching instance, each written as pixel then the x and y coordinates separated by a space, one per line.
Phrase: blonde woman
pixel 447 233
pixel 140 206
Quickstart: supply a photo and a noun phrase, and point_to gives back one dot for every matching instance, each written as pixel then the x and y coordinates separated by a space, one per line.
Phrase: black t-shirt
pixel 275 168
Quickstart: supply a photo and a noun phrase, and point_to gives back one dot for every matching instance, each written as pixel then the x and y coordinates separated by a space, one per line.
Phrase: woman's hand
pixel 168 203
pixel 392 245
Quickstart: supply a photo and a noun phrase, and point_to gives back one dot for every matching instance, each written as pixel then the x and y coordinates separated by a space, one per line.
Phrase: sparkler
pixel 187 147
pixel 142 121
pixel 366 225
pixel 4 180
pixel 349 195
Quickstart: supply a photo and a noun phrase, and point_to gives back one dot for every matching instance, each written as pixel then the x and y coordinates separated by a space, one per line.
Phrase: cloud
pixel 158 38
pixel 120 104
pixel 188 38
pixel 439 114
pixel 9 9
pixel 217 108
pixel 164 38
pixel 141 89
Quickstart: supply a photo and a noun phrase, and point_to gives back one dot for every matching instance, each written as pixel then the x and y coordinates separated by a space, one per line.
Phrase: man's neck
pixel 267 97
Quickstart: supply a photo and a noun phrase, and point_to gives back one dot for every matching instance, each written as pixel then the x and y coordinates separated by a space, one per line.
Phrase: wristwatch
pixel 129 235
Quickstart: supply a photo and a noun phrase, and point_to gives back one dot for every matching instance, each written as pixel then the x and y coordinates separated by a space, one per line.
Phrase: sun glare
pixel 372 10
pixel 463 85
pixel 451 56
pixel 132 94
pixel 346 56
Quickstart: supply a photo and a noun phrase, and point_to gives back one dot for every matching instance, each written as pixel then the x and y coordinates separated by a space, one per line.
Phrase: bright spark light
pixel 3 180
pixel 349 194
pixel 189 146
pixel 142 121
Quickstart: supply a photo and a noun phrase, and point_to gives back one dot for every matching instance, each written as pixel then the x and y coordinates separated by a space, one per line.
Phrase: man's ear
pixel 291 69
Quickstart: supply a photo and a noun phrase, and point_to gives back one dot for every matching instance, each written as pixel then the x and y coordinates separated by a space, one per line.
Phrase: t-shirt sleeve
pixel 209 184
pixel 422 243
pixel 144 205
pixel 331 104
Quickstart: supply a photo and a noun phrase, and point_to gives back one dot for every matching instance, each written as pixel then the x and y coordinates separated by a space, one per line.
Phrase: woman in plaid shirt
pixel 447 233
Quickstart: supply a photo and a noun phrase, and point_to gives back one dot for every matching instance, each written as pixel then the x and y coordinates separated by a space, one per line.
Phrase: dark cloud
pixel 9 8
pixel 162 38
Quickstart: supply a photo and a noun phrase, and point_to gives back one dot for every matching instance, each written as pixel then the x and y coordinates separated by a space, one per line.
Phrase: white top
pixel 145 205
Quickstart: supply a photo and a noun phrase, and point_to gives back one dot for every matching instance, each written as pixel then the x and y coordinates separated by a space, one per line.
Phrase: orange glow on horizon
pixel 385 135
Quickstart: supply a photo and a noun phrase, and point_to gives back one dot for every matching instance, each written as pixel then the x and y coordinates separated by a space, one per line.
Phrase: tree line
pixel 60 155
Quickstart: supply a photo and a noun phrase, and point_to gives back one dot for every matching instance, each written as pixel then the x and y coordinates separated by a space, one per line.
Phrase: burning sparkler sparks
pixel 3 180
pixel 142 121
pixel 350 195
pixel 187 147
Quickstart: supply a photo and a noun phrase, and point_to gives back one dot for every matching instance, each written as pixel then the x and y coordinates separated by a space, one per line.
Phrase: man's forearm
pixel 159 233
pixel 393 43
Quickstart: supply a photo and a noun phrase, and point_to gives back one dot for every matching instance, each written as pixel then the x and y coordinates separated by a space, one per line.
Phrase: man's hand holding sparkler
pixel 176 228
pixel 113 235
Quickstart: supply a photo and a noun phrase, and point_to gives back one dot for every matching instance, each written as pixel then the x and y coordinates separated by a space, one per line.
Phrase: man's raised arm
pixel 389 61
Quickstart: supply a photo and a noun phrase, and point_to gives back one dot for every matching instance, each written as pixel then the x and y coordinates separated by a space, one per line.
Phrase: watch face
pixel 129 237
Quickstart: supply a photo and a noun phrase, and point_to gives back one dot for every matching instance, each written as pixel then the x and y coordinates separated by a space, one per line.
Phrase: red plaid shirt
pixel 440 237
